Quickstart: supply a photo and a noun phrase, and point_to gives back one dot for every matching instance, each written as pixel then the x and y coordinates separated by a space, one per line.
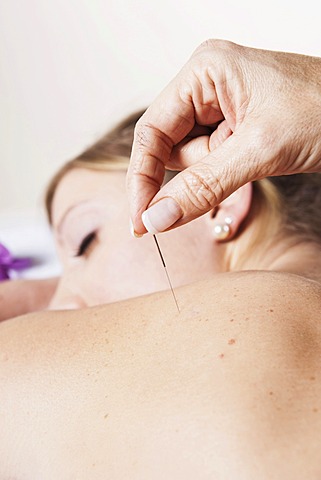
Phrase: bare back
pixel 229 388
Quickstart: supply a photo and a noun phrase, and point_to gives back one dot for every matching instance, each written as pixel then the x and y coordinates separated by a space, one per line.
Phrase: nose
pixel 67 303
pixel 65 299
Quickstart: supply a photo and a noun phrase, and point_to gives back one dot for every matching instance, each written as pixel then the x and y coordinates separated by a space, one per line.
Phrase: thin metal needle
pixel 169 281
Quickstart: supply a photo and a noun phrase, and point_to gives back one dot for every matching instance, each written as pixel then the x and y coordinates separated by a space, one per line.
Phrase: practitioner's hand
pixel 232 114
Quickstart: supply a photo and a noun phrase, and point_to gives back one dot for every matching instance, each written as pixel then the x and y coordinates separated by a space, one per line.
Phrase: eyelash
pixel 85 244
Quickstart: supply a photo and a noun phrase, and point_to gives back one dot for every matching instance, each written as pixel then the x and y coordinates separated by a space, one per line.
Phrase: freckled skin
pixel 168 397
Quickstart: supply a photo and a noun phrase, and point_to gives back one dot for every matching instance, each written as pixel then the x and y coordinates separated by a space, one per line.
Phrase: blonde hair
pixel 111 152
pixel 294 200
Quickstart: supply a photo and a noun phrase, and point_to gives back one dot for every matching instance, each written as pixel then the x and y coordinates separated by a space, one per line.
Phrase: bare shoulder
pixel 290 294
pixel 227 388
pixel 247 309
pixel 264 293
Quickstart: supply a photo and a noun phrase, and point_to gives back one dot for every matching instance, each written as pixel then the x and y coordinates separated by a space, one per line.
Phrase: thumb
pixel 204 185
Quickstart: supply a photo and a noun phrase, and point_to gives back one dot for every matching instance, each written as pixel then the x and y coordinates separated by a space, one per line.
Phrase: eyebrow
pixel 62 220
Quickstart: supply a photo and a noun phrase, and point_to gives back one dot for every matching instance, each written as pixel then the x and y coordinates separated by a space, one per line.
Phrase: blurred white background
pixel 69 69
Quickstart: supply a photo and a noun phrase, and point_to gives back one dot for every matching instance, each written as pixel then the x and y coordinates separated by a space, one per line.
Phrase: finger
pixel 205 184
pixel 222 132
pixel 151 150
pixel 199 130
pixel 169 119
pixel 190 150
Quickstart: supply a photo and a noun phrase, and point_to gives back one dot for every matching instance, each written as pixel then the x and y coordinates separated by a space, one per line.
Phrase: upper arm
pixel 18 297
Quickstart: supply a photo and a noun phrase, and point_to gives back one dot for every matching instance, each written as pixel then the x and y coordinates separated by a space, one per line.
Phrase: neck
pixel 281 253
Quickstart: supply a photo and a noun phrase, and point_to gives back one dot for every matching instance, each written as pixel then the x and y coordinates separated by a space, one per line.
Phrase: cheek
pixel 133 269
pixel 111 273
pixel 99 278
pixel 128 268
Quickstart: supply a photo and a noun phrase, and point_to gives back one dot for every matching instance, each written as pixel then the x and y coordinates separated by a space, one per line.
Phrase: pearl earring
pixel 222 230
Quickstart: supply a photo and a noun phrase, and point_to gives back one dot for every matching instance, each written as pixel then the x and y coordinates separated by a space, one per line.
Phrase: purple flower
pixel 8 262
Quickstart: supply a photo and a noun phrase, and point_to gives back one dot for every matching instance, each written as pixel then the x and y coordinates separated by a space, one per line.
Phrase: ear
pixel 231 213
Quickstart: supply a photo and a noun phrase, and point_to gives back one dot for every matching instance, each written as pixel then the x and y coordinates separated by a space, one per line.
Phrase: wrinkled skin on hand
pixel 233 114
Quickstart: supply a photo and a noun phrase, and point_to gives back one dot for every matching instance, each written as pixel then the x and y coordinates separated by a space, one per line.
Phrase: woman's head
pixel 87 207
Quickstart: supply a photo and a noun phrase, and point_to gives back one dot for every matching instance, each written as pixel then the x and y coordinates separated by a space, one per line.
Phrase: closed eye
pixel 85 244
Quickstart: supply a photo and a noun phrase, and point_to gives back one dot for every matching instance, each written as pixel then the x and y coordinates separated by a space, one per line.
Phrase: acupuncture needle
pixel 169 281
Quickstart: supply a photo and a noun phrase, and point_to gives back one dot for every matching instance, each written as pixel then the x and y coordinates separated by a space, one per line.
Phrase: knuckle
pixel 263 138
pixel 206 45
pixel 202 189
pixel 262 149
pixel 217 57
pixel 142 135
pixel 216 45
pixel 150 138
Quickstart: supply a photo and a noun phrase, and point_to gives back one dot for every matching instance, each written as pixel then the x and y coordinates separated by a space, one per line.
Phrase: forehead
pixel 81 185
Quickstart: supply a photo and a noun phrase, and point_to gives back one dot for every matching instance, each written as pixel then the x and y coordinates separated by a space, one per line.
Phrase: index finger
pixel 164 124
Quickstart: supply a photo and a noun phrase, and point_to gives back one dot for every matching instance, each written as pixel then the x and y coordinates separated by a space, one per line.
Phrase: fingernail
pixel 132 231
pixel 161 215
